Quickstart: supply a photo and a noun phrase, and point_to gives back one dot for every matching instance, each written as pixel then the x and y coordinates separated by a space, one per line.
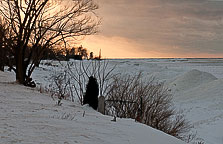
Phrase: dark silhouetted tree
pixel 42 24
pixel 92 91
pixel 91 55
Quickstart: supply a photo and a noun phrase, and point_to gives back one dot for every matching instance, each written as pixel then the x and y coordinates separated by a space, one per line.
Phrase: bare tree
pixel 42 24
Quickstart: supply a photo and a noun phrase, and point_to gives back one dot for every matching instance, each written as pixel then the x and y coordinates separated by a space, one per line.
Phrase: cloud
pixel 193 26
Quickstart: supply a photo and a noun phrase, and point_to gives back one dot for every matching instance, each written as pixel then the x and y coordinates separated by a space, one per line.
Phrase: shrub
pixel 92 91
pixel 59 86
pixel 149 102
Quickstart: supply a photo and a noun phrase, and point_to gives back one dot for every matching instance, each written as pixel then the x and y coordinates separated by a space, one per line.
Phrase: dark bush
pixel 92 91
pixel 148 102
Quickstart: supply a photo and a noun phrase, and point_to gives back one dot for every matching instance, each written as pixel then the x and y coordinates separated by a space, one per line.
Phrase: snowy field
pixel 197 86
pixel 28 117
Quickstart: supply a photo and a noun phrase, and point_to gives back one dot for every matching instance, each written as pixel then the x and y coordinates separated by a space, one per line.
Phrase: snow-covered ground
pixel 197 86
pixel 29 117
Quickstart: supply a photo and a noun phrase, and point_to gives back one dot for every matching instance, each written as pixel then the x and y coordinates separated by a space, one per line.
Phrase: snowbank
pixel 26 116
pixel 191 79
pixel 212 90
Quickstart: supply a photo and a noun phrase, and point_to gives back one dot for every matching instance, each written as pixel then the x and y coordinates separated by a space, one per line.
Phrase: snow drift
pixel 191 79
pixel 212 90
pixel 200 95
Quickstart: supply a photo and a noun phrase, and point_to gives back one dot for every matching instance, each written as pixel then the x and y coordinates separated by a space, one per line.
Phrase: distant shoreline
pixel 156 58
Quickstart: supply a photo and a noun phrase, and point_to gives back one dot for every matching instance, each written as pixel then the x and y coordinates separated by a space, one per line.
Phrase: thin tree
pixel 43 24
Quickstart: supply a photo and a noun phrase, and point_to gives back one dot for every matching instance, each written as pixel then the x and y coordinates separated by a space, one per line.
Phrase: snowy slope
pixel 28 117
pixel 196 85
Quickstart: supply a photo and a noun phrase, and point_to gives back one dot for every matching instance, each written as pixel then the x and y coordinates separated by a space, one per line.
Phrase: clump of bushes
pixel 148 102
pixel 92 91
pixel 71 83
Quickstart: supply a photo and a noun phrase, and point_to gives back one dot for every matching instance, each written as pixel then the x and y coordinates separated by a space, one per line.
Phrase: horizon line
pixel 169 58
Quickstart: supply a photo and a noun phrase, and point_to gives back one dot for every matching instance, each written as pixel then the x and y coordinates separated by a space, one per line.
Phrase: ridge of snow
pixel 190 80
pixel 205 91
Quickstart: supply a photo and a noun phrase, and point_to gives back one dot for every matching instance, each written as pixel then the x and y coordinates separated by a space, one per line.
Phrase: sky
pixel 159 29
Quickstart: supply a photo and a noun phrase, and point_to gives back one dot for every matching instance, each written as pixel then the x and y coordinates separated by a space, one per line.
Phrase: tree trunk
pixel 20 71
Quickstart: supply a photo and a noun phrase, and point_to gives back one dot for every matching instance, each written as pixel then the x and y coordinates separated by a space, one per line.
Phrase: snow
pixel 196 84
pixel 190 80
pixel 27 116
pixel 203 105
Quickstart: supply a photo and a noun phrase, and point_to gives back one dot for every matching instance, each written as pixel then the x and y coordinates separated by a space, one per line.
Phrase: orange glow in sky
pixel 117 47
pixel 158 29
